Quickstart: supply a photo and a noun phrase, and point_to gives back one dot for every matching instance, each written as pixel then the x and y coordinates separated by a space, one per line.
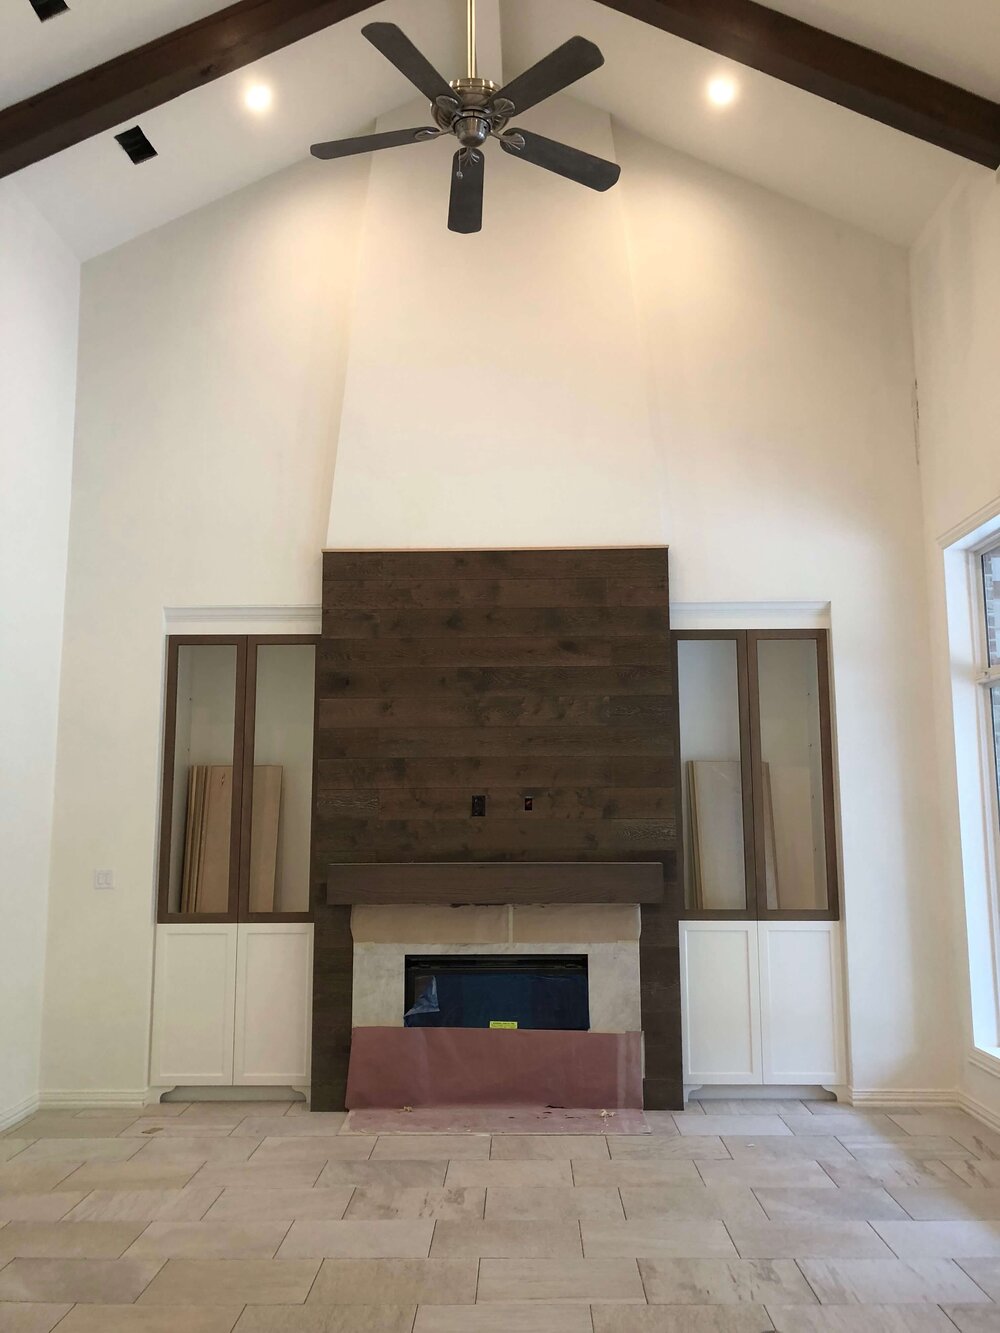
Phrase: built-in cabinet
pixel 761 1002
pixel 232 1004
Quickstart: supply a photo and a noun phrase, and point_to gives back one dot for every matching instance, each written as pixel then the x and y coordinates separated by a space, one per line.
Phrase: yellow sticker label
pixel 501 1023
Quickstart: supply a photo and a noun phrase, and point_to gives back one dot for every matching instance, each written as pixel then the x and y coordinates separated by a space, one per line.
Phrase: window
pixel 236 806
pixel 990 565
pixel 756 774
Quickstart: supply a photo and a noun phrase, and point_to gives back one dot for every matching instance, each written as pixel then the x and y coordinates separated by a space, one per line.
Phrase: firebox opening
pixel 498 990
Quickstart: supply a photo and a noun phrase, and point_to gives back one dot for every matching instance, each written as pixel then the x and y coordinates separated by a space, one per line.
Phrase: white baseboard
pixel 79 1099
pixel 12 1115
pixel 980 1110
pixel 903 1096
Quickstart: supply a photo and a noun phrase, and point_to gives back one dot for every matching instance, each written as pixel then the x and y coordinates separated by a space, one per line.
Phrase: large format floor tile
pixel 326 1319
pixel 325 1205
pixel 583 1281
pixel 178 1205
pixel 506 1240
pixel 858 1319
pixel 671 1238
pixel 231 1282
pixel 892 1282
pixel 737 1203
pixel 973 1318
pixel 724 1282
pixel 395 1282
pixel 525 1317
pixel 508 1203
pixel 30 1318
pixel 67 1240
pixel 209 1240
pixel 939 1205
pixel 811 1240
pixel 374 1202
pixel 636 1171
pixel 37 1207
pixel 934 1240
pixel 531 1174
pixel 690 1319
pixel 92 1281
pixel 806 1205
pixel 533 1147
pixel 358 1239
pixel 150 1319
pixel 430 1147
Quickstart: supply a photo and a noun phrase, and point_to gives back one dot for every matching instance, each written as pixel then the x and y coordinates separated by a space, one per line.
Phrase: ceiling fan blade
pixel 584 168
pixel 465 211
pixel 556 71
pixel 397 48
pixel 367 143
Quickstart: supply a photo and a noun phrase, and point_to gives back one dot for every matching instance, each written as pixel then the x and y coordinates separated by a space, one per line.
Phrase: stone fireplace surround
pixel 607 933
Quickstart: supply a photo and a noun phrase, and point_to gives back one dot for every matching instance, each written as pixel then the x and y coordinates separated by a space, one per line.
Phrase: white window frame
pixel 975 772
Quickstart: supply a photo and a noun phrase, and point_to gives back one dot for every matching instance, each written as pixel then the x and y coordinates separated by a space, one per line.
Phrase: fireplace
pixel 496 777
pixel 526 992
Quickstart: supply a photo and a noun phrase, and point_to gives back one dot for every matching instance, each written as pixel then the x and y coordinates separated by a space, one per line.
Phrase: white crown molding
pixel 303 619
pixel 749 615
pixel 974 527
pixel 13 1115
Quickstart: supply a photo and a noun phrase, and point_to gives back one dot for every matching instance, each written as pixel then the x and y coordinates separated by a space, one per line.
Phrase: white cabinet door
pixel 194 989
pixel 720 1002
pixel 801 1002
pixel 273 1003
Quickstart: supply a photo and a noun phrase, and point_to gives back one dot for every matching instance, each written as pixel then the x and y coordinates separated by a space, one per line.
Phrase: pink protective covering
pixel 394 1067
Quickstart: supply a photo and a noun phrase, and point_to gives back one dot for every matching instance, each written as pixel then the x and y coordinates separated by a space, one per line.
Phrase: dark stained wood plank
pixel 335 681
pixel 459 742
pixel 525 710
pixel 123 88
pixel 424 839
pixel 511 650
pixel 502 803
pixel 852 76
pixel 600 562
pixel 373 594
pixel 538 771
pixel 479 882
pixel 503 622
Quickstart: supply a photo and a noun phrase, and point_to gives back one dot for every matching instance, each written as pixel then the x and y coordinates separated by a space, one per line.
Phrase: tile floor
pixel 731 1217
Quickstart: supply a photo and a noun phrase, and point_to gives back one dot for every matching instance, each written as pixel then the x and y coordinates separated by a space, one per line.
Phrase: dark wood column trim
pixel 131 84
pixel 862 80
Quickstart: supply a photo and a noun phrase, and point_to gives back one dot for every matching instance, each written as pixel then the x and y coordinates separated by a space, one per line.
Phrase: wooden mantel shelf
pixel 479 882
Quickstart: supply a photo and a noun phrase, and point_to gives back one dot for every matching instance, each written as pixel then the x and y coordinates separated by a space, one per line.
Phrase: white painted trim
pixel 79 1099
pixel 749 615
pixel 987 1061
pixel 974 528
pixel 979 1109
pixel 903 1096
pixel 13 1115
pixel 298 619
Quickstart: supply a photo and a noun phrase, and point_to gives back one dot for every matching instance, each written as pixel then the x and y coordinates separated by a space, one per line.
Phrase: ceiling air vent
pixel 48 9
pixel 136 145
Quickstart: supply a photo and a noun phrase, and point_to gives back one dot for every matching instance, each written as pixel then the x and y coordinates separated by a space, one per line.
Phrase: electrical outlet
pixel 479 805
pixel 104 879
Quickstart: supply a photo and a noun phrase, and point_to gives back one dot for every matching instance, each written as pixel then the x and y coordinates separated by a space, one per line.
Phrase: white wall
pixel 781 376
pixel 955 272
pixel 39 303
pixel 211 370
pixel 734 376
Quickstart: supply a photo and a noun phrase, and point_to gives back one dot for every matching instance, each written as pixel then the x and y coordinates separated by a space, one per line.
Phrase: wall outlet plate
pixel 104 879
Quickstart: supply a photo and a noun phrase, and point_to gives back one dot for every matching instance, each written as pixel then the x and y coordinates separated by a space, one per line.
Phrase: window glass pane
pixel 202 796
pixel 995 714
pixel 711 775
pixel 282 778
pixel 991 591
pixel 792 775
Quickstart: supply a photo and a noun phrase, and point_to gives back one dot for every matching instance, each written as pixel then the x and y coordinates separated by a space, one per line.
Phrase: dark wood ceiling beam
pixel 853 76
pixel 864 81
pixel 132 84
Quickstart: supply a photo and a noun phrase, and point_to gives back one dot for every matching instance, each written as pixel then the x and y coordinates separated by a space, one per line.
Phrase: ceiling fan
pixel 474 109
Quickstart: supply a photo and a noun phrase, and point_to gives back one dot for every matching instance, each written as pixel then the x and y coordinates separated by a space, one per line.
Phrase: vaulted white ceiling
pixel 335 84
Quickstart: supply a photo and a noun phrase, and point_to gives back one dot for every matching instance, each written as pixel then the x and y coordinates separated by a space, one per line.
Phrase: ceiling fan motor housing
pixel 470 116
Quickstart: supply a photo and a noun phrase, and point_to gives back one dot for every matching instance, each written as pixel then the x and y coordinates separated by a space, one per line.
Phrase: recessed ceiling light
pixel 722 90
pixel 258 97
pixel 48 9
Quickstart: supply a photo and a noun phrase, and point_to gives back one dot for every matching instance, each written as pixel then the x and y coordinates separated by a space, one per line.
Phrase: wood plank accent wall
pixel 545 674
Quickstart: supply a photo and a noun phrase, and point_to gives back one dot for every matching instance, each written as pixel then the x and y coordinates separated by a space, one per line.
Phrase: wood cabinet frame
pixel 746 642
pixel 244 723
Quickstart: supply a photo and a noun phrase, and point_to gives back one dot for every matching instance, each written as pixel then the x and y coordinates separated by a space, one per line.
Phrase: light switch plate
pixel 104 879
